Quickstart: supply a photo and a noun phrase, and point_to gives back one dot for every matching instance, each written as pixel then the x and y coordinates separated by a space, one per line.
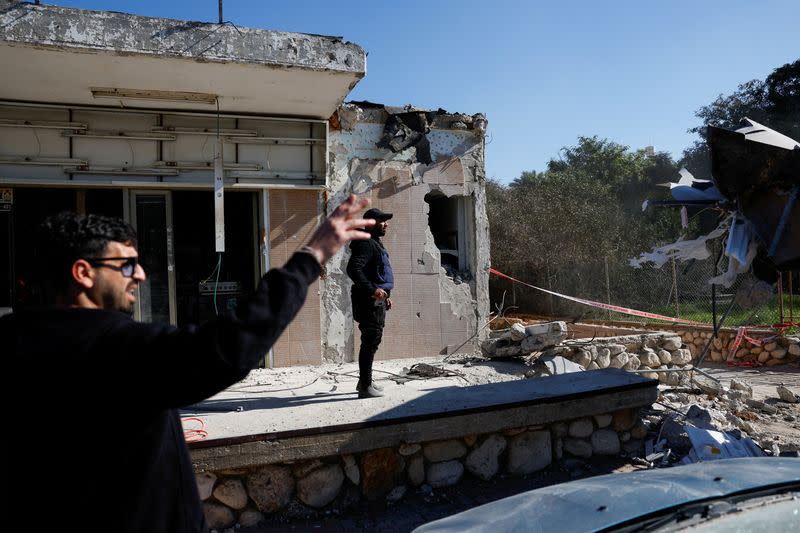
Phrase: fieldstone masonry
pixel 247 496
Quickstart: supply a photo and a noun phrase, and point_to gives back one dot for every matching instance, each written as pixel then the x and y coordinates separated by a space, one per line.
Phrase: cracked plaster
pixel 357 165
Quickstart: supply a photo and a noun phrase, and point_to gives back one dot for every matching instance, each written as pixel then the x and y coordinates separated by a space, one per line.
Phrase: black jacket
pixel 364 266
pixel 95 425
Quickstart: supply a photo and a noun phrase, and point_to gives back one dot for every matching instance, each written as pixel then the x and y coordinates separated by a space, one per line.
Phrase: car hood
pixel 604 501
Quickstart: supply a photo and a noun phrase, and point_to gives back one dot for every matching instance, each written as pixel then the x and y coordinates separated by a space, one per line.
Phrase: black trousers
pixel 371 318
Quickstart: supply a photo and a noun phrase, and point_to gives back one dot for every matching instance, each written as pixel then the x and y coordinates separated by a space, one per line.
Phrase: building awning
pixel 70 56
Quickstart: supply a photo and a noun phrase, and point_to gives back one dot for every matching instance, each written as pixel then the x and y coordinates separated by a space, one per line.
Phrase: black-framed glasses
pixel 126 269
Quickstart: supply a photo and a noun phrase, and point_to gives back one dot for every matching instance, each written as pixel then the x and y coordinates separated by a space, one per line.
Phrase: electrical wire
pixel 196 434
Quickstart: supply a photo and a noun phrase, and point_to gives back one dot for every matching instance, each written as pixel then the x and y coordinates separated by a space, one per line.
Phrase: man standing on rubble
pixel 97 431
pixel 373 281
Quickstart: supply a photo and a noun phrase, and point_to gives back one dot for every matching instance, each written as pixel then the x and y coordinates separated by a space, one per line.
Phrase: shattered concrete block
pixel 541 336
pixel 740 385
pixel 708 385
pixel 762 406
pixel 786 395
pixel 518 332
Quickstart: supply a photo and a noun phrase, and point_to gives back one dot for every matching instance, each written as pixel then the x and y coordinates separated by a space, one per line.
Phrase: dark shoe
pixel 374 385
pixel 370 392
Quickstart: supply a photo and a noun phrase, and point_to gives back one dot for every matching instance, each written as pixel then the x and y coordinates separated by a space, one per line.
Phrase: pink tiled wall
pixel 293 217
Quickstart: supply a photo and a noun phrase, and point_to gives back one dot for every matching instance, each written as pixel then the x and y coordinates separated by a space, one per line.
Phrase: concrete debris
pixel 522 341
pixel 786 395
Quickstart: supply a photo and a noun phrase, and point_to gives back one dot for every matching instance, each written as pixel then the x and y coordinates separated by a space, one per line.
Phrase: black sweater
pixel 95 425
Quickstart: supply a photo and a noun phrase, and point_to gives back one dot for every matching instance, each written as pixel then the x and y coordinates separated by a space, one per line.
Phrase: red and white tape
pixel 601 305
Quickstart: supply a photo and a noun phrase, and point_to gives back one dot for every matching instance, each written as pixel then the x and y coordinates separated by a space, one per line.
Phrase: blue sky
pixel 544 73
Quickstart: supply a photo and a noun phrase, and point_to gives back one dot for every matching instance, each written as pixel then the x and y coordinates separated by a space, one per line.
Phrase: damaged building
pixel 224 147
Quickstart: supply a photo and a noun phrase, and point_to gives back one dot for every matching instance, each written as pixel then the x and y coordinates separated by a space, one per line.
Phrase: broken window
pixel 448 219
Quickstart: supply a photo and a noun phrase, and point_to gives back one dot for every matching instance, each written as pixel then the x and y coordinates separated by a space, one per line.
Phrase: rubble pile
pixel 520 340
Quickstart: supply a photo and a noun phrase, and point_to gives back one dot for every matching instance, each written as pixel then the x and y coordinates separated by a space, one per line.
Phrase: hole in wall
pixel 447 221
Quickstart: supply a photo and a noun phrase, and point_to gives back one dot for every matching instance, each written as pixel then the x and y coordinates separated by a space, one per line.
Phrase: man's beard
pixel 378 231
pixel 118 302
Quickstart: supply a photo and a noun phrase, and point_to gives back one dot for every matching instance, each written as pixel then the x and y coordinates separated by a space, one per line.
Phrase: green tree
pixel 774 102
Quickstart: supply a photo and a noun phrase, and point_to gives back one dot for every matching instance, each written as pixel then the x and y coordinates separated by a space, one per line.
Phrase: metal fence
pixel 677 289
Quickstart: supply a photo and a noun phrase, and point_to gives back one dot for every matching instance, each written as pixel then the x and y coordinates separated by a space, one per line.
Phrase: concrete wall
pixel 434 313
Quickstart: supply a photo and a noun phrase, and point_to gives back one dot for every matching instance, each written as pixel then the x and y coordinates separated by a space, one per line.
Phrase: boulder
pixel 250 518
pixel 271 487
pixel 232 493
pixel 605 442
pixel 671 343
pixel 205 484
pixel 578 448
pixel 218 516
pixel 603 357
pixel 320 487
pixel 582 427
pixel 444 474
pixel 444 450
pixel 416 470
pixel 381 471
pixel 484 460
pixel 529 452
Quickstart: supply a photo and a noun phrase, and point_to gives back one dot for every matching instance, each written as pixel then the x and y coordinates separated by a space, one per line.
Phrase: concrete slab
pixel 289 414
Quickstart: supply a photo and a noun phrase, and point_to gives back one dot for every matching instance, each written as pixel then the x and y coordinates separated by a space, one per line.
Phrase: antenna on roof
pixel 220 11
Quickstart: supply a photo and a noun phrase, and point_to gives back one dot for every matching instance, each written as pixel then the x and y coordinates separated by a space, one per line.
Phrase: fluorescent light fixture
pixel 123 171
pixel 149 94
pixel 205 131
pixel 127 135
pixel 206 165
pixel 43 124
pixel 289 174
pixel 51 161
pixel 274 140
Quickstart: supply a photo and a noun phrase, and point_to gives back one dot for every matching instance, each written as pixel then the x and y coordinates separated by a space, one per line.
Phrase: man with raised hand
pixel 97 428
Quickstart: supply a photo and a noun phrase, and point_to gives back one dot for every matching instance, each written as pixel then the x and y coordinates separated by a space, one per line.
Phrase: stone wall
pixel 663 351
pixel 247 496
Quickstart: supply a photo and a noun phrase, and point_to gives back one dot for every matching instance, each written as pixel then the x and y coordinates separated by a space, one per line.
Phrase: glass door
pixel 151 215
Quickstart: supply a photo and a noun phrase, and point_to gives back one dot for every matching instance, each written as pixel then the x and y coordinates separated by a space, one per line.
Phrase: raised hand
pixel 339 228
